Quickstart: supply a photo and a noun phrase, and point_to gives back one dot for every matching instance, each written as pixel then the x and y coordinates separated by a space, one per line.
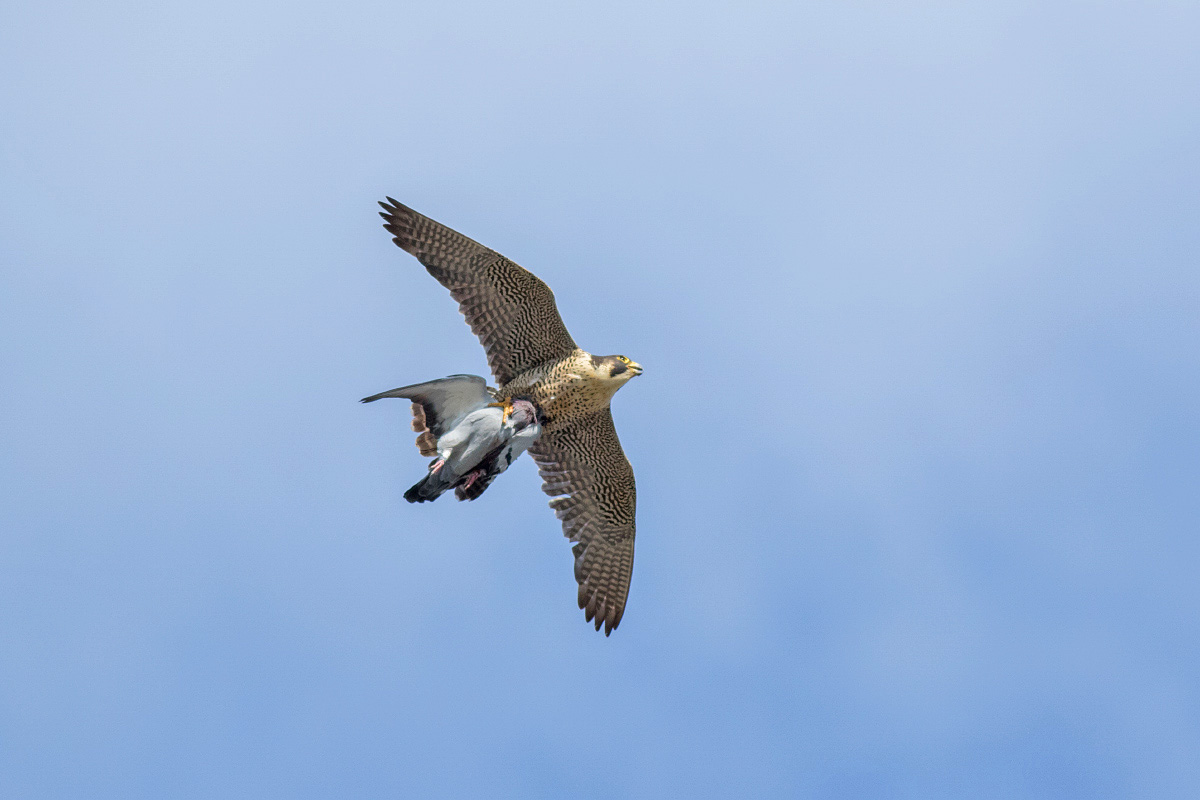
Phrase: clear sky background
pixel 916 289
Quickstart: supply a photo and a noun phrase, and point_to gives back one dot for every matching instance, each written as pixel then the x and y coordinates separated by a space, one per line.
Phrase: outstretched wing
pixel 438 406
pixel 584 468
pixel 508 308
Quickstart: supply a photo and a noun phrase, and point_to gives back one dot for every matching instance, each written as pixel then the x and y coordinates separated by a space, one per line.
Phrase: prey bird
pixel 532 356
pixel 473 438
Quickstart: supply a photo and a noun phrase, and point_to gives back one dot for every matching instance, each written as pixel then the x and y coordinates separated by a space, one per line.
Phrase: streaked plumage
pixel 531 354
pixel 473 437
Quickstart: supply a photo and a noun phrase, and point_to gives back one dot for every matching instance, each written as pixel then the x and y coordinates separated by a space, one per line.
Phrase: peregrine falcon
pixel 532 355
pixel 474 438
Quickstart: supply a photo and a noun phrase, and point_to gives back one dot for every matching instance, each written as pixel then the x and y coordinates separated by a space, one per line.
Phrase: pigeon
pixel 471 436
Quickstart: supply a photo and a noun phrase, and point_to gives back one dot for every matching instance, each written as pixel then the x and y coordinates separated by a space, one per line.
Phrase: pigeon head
pixel 523 415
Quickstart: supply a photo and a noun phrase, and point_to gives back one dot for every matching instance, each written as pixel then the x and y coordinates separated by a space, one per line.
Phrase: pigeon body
pixel 473 437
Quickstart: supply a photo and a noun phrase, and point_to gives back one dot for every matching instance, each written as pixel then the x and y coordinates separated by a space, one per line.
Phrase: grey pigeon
pixel 472 436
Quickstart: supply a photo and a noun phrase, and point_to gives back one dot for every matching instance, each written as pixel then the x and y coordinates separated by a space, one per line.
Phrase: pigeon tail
pixel 432 486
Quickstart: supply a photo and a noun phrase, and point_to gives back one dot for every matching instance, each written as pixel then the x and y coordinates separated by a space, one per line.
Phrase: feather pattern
pixel 584 468
pixel 511 311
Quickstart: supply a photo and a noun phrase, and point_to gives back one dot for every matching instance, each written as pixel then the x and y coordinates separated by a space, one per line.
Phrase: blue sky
pixel 915 287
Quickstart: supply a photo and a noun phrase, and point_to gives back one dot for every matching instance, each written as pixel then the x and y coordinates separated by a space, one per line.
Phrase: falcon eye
pixel 624 360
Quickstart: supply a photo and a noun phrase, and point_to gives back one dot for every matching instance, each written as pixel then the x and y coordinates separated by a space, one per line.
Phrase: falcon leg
pixel 508 410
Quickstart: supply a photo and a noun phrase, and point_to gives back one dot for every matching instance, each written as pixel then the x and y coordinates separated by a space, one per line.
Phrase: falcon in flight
pixel 532 355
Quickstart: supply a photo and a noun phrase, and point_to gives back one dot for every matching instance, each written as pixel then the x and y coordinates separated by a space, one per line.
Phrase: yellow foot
pixel 508 410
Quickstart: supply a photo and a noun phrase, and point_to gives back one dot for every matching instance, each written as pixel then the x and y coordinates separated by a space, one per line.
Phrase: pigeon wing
pixel 439 406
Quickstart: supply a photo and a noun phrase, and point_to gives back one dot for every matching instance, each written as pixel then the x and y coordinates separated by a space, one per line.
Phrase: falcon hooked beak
pixel 620 367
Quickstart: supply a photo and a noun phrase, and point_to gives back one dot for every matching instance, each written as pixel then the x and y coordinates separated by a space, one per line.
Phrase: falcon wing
pixel 584 468
pixel 508 308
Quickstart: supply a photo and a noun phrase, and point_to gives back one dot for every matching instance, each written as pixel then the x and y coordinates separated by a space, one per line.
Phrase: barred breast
pixel 565 390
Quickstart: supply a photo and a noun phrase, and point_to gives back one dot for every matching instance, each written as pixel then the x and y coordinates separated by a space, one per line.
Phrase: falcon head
pixel 615 368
